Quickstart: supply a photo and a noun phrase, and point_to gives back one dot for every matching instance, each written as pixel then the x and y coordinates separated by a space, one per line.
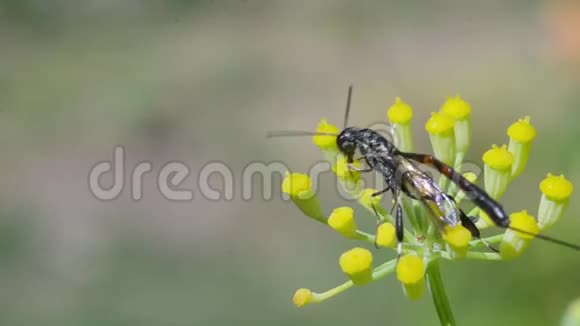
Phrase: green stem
pixel 360 235
pixel 490 240
pixel 483 255
pixel 438 294
pixel 378 273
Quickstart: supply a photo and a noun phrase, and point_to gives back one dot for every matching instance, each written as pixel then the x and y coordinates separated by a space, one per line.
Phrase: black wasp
pixel 402 176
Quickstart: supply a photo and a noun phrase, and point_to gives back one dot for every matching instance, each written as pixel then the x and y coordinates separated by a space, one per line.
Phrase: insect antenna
pixel 547 238
pixel 294 133
pixel 347 112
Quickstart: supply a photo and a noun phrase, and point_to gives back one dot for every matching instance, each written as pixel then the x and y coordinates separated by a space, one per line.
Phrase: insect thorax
pixel 372 143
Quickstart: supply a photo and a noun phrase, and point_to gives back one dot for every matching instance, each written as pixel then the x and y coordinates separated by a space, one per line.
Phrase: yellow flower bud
pixel 521 134
pixel 460 111
pixel 411 273
pixel 386 235
pixel 522 131
pixel 556 191
pixel 442 135
pixel 299 188
pixel 343 172
pixel 514 242
pixel 498 158
pixel 357 265
pixel 342 221
pixel 556 188
pixel 456 108
pixel 400 114
pixel 457 239
pixel 296 184
pixel 497 171
pixel 367 200
pixel 302 297
pixel 326 142
pixel 439 124
pixel 348 178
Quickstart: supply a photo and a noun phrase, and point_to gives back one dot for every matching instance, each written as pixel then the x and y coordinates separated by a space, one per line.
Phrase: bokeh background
pixel 201 81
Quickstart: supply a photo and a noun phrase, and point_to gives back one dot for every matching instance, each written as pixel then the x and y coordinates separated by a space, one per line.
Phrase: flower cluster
pixel 424 243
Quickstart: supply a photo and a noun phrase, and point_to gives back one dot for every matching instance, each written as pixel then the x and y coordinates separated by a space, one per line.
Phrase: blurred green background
pixel 201 81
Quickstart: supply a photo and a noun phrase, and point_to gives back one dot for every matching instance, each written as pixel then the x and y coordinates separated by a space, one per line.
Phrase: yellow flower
pixel 342 221
pixel 442 135
pixel 556 188
pixel 400 112
pixel 357 265
pixel 498 158
pixel 400 115
pixel 296 184
pixel 522 131
pixel 456 108
pixel 342 170
pixel 299 188
pixel 367 200
pixel 411 273
pixel 460 111
pixel 302 297
pixel 515 242
pixel 556 191
pixel 439 124
pixel 326 142
pixel 386 235
pixel 497 171
pixel 457 239
pixel 521 134
pixel 349 179
pixel 410 269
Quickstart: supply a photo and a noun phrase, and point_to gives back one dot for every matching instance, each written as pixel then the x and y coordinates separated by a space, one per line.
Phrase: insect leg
pixel 472 228
pixel 353 168
pixel 399 229
pixel 378 193
pixel 477 195
pixel 375 209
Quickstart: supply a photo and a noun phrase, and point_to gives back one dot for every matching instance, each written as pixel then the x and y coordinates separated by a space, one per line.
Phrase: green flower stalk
pixel 426 245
